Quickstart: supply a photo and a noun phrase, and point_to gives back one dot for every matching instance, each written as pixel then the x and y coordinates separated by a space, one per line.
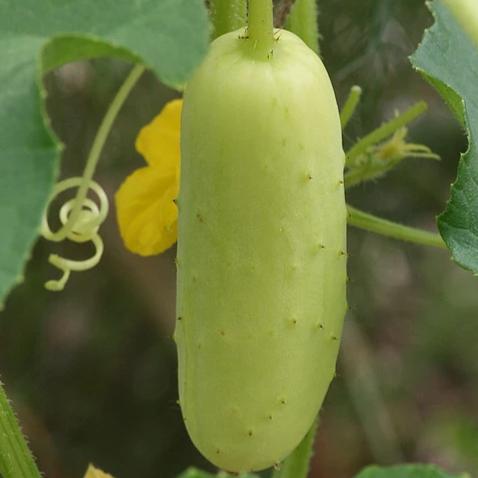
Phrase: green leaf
pixel 169 36
pixel 195 473
pixel 406 471
pixel 448 58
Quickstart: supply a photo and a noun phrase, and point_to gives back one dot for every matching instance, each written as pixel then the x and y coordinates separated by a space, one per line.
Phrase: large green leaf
pixel 406 471
pixel 448 58
pixel 169 36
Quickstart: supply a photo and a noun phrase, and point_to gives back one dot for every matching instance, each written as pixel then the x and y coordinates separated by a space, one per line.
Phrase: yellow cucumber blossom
pixel 145 203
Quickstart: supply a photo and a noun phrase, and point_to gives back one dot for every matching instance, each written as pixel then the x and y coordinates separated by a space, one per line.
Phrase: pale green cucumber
pixel 261 251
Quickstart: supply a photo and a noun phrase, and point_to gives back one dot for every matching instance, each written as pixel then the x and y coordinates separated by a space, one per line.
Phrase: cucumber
pixel 261 252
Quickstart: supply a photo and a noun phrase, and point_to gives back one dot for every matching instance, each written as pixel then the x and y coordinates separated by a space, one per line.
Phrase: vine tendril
pixel 81 217
pixel 83 229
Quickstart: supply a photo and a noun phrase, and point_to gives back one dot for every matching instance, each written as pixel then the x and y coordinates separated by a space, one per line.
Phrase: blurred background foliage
pixel 92 370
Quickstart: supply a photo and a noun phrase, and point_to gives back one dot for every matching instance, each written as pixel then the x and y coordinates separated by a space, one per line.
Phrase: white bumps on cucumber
pixel 261 251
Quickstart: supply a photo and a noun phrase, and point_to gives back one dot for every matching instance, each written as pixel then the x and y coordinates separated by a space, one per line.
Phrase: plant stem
pixel 391 229
pixel 260 27
pixel 227 15
pixel 369 172
pixel 302 20
pixel 384 131
pixel 297 464
pixel 350 105
pixel 375 169
pixel 16 460
pixel 97 148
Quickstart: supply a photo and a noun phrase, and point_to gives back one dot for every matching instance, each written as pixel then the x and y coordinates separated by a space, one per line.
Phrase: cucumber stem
pixel 260 27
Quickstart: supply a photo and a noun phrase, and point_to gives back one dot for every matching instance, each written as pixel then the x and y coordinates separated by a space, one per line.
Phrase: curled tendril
pixel 80 224
pixel 81 217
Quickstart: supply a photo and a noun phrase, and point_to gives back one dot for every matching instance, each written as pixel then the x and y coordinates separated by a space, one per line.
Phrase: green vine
pixel 381 158
pixel 350 105
pixel 81 217
pixel 16 460
pixel 372 223
pixel 383 132
pixel 227 15
pixel 368 160
pixel 302 20
pixel 297 464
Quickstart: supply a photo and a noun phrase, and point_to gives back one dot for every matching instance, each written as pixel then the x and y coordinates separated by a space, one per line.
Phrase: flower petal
pixel 146 211
pixel 93 472
pixel 158 141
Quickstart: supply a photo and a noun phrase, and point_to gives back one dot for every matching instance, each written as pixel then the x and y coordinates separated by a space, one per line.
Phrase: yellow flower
pixel 145 203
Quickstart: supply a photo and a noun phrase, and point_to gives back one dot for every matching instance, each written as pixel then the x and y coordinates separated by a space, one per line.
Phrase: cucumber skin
pixel 261 253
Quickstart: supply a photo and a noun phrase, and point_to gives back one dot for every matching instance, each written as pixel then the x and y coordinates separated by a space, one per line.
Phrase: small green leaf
pixel 169 36
pixel 195 473
pixel 406 471
pixel 448 58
